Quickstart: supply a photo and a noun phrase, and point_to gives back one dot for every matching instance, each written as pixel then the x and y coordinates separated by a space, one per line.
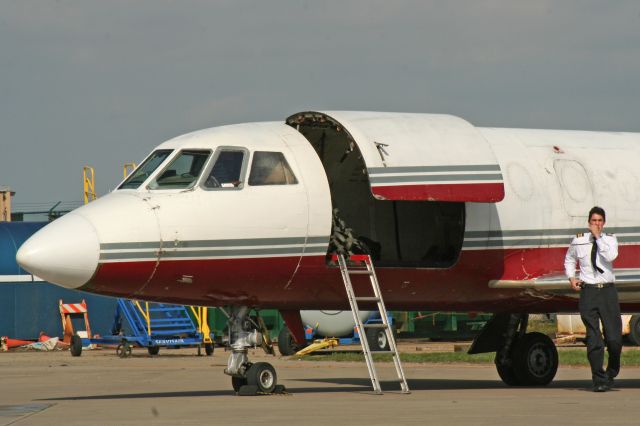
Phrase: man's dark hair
pixel 599 211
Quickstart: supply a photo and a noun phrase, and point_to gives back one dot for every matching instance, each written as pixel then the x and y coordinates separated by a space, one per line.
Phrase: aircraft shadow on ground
pixel 363 385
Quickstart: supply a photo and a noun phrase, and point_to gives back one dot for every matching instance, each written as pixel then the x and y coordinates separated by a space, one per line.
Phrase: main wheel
pixel 535 359
pixel 262 375
pixel 286 344
pixel 153 350
pixel 208 349
pixel 506 373
pixel 634 330
pixel 76 345
pixel 377 339
pixel 238 382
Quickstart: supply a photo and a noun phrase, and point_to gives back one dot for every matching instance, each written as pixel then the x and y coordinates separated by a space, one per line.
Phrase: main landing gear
pixel 248 378
pixel 522 359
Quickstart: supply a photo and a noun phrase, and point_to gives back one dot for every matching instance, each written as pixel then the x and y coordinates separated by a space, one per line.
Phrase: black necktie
pixel 594 253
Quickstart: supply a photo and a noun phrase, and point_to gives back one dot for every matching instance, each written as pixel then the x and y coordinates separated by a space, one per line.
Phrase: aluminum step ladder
pixel 361 264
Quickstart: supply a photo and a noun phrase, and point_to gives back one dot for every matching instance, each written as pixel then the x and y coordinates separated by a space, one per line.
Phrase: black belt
pixel 599 285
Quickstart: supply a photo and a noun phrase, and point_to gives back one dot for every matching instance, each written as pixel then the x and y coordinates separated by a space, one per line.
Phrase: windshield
pixel 146 168
pixel 182 172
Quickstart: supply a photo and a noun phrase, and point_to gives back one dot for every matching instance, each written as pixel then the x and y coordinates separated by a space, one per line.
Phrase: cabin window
pixel 227 170
pixel 145 169
pixel 182 172
pixel 270 168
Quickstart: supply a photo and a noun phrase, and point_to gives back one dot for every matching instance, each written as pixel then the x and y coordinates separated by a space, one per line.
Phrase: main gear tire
pixel 506 373
pixel 378 339
pixel 535 359
pixel 286 344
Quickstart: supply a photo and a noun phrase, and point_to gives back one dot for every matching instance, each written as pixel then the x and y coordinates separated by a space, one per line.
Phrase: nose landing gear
pixel 248 378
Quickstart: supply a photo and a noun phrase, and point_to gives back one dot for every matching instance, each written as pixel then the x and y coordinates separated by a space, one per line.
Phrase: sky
pixel 101 83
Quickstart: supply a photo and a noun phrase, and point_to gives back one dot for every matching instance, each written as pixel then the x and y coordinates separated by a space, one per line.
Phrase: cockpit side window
pixel 145 169
pixel 228 169
pixel 183 171
pixel 270 168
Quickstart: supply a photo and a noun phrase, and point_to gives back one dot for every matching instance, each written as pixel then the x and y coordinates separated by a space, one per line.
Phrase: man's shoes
pixel 600 388
pixel 610 382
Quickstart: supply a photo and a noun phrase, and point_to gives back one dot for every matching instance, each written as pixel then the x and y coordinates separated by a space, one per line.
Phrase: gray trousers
pixel 601 304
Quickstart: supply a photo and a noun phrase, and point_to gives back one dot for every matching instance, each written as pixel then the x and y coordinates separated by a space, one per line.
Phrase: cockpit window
pixel 145 169
pixel 227 170
pixel 182 172
pixel 270 168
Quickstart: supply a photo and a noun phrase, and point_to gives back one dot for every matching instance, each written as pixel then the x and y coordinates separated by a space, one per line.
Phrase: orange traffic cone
pixel 14 343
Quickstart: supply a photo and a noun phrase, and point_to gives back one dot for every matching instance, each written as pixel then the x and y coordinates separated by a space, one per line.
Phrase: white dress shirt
pixel 580 251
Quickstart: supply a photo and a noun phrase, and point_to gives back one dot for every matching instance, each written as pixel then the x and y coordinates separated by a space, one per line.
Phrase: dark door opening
pixel 426 234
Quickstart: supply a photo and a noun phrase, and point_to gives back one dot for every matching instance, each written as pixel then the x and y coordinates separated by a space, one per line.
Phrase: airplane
pixel 455 217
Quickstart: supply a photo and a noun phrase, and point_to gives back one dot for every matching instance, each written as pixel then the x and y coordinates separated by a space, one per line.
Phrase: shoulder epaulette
pixel 611 235
pixel 580 234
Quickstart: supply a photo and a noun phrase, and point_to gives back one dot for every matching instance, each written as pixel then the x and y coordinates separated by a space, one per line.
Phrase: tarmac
pixel 177 387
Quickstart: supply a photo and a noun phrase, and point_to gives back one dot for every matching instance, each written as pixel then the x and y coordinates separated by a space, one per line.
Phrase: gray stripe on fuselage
pixel 523 242
pixel 216 243
pixel 428 169
pixel 433 178
pixel 294 251
pixel 545 232
pixel 531 237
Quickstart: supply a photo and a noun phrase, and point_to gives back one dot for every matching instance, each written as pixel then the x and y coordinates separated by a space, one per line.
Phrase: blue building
pixel 29 306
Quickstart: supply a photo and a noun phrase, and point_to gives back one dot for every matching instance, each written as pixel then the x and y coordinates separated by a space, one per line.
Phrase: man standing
pixel 594 251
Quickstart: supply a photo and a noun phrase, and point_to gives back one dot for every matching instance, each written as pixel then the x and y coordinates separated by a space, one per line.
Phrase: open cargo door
pixel 427 157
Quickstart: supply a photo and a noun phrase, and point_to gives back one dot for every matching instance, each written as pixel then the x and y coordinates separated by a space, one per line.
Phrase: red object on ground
pixel 14 343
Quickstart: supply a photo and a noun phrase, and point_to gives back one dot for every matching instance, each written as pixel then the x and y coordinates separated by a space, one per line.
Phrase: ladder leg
pixel 353 303
pixel 356 318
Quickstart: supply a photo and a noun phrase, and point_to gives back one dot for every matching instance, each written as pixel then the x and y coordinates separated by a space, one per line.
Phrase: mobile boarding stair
pixel 359 264
pixel 154 325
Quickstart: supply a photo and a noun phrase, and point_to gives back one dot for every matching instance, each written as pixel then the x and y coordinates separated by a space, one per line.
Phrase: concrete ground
pixel 177 388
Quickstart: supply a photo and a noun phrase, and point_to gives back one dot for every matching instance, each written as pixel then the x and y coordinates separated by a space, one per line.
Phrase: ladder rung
pixel 359 272
pixel 374 325
pixel 353 299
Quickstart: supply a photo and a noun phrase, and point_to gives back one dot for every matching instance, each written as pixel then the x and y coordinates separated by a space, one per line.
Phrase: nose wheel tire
pixel 238 382
pixel 263 376
pixel 153 350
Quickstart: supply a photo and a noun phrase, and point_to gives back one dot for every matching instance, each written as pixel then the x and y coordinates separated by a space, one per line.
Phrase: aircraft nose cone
pixel 65 252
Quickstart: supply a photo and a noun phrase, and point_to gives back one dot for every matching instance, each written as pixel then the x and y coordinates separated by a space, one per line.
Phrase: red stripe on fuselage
pixel 268 282
pixel 471 192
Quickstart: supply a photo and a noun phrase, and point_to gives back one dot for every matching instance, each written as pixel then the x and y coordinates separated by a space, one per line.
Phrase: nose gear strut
pixel 248 378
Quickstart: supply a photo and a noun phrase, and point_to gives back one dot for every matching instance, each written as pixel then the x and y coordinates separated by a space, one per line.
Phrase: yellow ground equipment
pixel 328 342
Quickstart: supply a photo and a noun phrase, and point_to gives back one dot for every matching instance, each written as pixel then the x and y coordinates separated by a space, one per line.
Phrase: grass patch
pixel 566 357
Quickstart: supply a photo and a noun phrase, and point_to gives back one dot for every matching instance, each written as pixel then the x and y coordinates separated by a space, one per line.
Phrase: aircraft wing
pixel 627 283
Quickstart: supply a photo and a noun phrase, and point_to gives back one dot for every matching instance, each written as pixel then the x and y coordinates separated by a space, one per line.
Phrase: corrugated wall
pixel 27 308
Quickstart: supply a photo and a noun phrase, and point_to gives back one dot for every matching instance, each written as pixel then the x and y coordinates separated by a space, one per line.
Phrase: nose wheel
pixel 248 378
